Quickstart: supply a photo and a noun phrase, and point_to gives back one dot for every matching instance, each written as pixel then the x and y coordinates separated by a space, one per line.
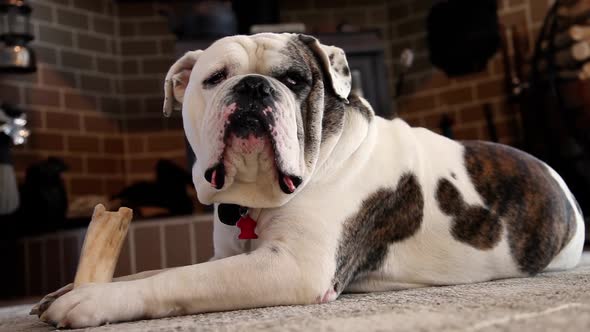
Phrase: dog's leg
pixel 39 308
pixel 270 275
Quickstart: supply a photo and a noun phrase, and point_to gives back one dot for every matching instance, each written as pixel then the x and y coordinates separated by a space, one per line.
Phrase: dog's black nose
pixel 254 86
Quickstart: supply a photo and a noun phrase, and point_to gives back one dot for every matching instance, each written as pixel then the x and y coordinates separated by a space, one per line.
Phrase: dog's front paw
pixel 94 305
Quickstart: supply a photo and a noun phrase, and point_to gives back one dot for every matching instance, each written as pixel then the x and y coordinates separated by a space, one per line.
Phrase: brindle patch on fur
pixel 385 217
pixel 472 224
pixel 518 188
pixel 320 98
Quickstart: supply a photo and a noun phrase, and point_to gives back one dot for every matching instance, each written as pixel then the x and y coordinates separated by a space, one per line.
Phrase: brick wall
pixel 429 94
pixel 147 51
pixel 70 101
pixel 96 99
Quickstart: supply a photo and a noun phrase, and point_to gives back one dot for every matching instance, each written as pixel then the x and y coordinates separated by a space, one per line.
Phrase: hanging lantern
pixel 15 33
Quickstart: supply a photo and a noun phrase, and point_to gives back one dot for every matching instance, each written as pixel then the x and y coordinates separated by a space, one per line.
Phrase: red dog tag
pixel 247 226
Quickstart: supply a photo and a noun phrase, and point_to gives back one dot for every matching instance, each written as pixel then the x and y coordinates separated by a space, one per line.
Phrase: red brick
pixel 132 106
pixel 35 119
pixel 46 141
pixel 156 66
pixel 127 29
pixel 57 77
pixel 95 83
pixel 114 145
pixel 130 9
pixel 73 19
pixel 114 186
pixel 417 103
pixel 42 97
pixel 110 105
pixel 93 6
pixel 437 80
pixel 75 164
pixel 457 96
pixel 138 47
pixel 102 165
pixel 153 105
pixel 86 186
pixel 174 122
pixel 167 46
pixel 107 65
pixel 491 89
pixel 100 124
pixel 79 101
pixel 466 133
pixel 104 25
pixel 472 114
pixel 92 43
pixel 136 144
pixel 42 12
pixel 76 60
pixel 66 121
pixel 159 143
pixel 83 143
pixel 142 124
pixel 154 28
pixel 46 54
pixel 130 66
pixel 9 93
pixel 57 36
pixel 433 120
pixel 24 159
pixel 143 164
pixel 142 86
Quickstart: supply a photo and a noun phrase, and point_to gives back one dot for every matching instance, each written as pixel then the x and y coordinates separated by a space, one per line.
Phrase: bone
pixel 102 245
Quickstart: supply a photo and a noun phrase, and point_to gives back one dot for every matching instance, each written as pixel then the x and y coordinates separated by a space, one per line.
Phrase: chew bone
pixel 102 245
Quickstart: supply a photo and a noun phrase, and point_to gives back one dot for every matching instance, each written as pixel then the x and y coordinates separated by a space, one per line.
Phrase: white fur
pixel 303 231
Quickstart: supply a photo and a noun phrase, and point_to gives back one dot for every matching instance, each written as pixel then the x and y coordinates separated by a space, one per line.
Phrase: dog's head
pixel 257 111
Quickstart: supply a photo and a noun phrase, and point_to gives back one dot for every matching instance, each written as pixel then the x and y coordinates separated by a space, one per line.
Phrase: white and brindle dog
pixel 344 200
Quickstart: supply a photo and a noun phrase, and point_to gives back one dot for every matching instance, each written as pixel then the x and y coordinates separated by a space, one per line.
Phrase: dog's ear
pixel 177 80
pixel 333 62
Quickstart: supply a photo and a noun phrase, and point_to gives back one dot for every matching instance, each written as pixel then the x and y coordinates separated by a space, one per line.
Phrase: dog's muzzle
pixel 253 117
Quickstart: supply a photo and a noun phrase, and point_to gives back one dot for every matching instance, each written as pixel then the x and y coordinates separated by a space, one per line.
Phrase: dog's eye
pixel 216 78
pixel 293 81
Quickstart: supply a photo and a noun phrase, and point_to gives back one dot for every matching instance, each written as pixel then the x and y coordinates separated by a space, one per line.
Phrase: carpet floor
pixel 556 301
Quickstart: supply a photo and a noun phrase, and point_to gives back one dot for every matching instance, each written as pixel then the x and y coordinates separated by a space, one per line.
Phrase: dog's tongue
pixel 289 183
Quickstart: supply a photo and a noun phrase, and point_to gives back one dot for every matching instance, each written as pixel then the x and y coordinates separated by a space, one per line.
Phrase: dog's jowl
pixel 343 200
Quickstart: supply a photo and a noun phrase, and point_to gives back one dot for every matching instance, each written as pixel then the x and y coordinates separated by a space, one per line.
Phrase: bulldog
pixel 344 201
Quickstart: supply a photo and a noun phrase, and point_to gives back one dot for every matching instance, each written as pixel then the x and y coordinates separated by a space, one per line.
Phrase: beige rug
pixel 548 302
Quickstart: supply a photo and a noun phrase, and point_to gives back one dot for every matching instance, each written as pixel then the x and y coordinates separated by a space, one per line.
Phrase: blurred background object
pixel 15 34
pixel 12 132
